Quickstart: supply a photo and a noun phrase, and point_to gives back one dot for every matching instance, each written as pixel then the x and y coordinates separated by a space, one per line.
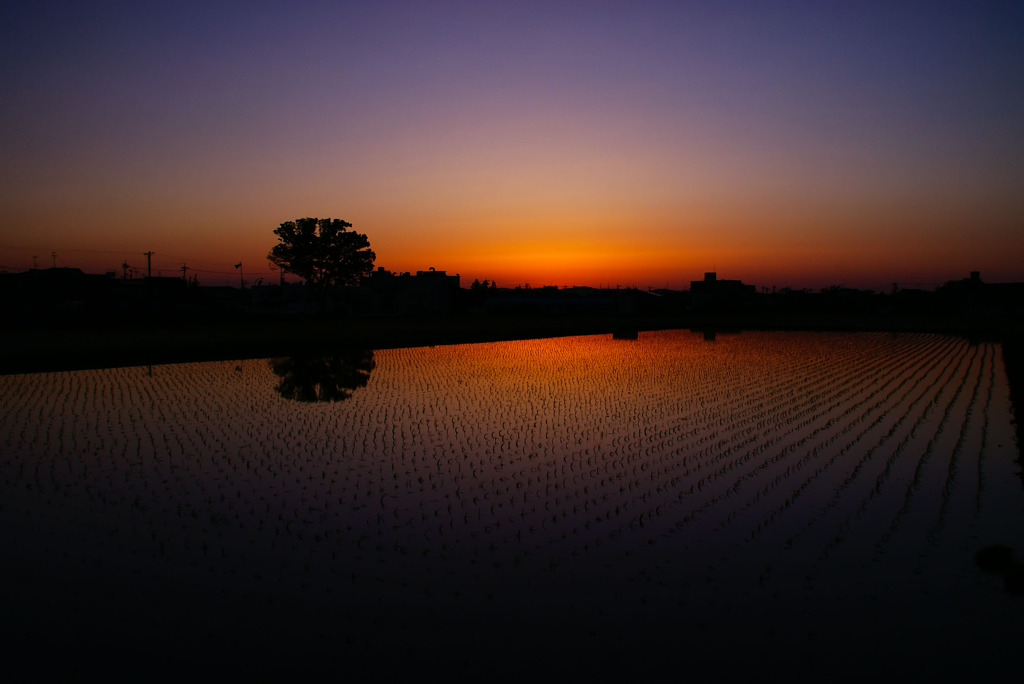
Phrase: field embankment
pixel 38 348
pixel 55 348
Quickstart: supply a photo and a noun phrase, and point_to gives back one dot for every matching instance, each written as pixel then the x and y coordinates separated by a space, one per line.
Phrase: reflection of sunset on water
pixel 803 493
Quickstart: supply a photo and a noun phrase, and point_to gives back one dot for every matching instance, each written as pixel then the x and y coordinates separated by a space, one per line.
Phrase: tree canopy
pixel 323 252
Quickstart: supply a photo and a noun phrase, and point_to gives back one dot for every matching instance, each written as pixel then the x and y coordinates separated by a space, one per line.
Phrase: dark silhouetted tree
pixel 323 252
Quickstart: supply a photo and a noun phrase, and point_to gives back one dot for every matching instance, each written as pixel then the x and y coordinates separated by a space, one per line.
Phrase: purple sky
pixel 783 143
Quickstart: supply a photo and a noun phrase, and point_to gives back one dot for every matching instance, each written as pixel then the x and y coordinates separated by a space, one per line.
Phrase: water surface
pixel 586 503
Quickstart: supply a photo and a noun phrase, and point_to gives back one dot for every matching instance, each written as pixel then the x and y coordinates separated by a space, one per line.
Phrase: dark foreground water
pixel 771 505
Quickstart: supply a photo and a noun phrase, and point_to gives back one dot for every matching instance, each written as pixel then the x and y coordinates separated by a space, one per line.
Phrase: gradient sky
pixel 590 143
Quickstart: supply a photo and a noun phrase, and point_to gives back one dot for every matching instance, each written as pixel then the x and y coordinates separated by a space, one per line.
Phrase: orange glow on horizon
pixel 666 246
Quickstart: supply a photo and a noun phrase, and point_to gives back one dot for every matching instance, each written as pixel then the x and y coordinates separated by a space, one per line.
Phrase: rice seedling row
pixel 664 477
pixel 894 431
pixel 820 447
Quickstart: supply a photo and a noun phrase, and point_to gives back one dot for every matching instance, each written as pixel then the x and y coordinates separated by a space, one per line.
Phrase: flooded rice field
pixel 762 503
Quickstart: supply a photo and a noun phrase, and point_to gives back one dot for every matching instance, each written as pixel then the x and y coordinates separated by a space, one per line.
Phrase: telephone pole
pixel 184 268
pixel 149 263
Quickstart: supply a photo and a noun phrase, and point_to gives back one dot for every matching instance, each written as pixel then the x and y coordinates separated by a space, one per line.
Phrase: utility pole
pixel 241 276
pixel 149 263
pixel 124 270
pixel 184 268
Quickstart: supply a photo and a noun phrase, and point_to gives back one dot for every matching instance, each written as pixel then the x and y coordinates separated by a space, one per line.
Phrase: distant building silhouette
pixel 712 294
pixel 58 291
pixel 549 300
pixel 429 292
pixel 972 295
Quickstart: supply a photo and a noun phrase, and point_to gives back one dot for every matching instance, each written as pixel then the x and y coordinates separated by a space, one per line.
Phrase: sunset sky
pixel 551 143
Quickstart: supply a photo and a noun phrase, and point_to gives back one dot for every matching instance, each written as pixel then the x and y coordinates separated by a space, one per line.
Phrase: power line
pixel 163 265
pixel 67 249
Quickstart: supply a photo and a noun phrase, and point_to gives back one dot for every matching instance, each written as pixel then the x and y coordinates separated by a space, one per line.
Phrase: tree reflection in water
pixel 329 376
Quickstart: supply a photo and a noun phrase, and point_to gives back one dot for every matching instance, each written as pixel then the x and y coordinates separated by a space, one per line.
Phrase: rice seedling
pixel 530 478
